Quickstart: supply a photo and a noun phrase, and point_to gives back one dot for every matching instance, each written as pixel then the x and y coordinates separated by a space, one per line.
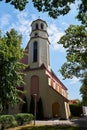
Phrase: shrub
pixel 24 107
pixel 76 110
pixel 7 121
pixel 40 114
pixel 32 105
pixel 24 118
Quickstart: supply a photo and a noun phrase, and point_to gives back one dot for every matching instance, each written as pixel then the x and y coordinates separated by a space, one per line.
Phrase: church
pixel 40 80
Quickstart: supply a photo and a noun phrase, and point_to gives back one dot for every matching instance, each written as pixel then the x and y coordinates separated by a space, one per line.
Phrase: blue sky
pixel 21 21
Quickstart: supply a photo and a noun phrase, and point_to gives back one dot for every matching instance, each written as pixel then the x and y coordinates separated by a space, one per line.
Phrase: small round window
pixel 36 34
pixel 42 26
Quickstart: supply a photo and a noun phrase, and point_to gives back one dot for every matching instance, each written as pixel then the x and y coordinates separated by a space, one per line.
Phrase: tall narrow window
pixel 42 26
pixel 35 52
pixel 36 25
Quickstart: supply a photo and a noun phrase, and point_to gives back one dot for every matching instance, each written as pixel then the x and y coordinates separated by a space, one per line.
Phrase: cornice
pixel 35 37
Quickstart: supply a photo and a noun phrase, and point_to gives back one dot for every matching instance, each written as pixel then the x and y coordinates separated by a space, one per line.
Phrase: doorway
pixel 55 109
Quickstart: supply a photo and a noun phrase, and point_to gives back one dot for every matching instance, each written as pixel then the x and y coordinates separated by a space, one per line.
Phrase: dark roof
pixel 39 20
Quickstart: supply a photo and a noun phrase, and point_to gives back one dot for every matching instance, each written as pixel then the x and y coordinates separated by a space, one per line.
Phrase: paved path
pixel 82 122
pixel 73 122
pixel 54 122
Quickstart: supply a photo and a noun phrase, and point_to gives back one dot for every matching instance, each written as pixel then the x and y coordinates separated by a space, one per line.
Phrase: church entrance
pixel 55 109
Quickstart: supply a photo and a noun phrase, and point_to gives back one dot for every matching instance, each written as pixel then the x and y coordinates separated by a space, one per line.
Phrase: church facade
pixel 40 80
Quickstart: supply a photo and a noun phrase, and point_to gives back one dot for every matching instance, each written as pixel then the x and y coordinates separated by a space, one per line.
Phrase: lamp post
pixel 34 107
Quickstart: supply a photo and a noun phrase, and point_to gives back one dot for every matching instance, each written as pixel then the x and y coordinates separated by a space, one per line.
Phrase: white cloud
pixel 54 36
pixel 23 26
pixel 5 20
pixel 23 23
pixel 74 7
pixel 65 24
pixel 74 80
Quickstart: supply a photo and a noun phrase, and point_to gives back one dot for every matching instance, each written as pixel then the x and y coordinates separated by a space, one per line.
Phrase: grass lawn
pixel 49 128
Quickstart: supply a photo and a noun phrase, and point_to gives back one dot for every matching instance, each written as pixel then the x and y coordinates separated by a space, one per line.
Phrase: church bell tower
pixel 39 45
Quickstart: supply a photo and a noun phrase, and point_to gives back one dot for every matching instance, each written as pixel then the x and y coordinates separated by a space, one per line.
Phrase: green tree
pixel 75 43
pixel 40 114
pixel 76 110
pixel 83 91
pixel 82 14
pixel 24 106
pixel 32 105
pixel 10 68
pixel 18 4
pixel 54 8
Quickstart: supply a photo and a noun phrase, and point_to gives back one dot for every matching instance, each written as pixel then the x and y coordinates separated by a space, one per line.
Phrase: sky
pixel 21 21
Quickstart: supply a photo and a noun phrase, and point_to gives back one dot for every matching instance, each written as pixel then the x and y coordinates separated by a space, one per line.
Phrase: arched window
pixel 42 26
pixel 36 25
pixel 35 51
pixel 35 86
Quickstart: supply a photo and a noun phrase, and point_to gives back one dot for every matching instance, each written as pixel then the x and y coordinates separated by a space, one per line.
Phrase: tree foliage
pixel 32 105
pixel 83 90
pixel 24 106
pixel 40 114
pixel 10 67
pixel 54 8
pixel 18 4
pixel 76 110
pixel 82 14
pixel 75 42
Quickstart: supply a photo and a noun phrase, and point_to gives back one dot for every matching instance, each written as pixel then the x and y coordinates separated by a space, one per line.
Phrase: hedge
pixel 24 118
pixel 7 121
pixel 76 110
